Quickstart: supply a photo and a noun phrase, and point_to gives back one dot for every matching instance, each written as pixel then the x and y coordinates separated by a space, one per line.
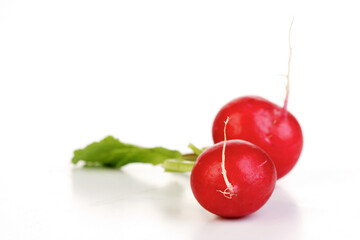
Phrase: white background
pixel 155 73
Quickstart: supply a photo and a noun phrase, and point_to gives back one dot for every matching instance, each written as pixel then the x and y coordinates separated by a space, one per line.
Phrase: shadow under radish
pixel 279 218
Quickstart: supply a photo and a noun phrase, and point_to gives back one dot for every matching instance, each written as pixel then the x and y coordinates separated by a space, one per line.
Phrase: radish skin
pixel 250 171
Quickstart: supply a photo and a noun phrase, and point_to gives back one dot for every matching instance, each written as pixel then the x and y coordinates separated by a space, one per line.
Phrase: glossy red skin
pixel 249 170
pixel 264 124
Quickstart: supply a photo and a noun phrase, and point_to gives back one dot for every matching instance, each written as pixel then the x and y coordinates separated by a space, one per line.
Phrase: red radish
pixel 233 178
pixel 264 124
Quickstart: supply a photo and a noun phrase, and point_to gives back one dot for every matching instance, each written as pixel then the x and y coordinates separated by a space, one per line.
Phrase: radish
pixel 264 124
pixel 233 178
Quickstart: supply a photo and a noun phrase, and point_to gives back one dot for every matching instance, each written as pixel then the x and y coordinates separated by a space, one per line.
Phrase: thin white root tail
pixel 229 191
pixel 288 73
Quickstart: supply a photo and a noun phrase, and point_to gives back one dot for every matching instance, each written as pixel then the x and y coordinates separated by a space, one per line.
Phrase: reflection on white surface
pixel 115 189
pixel 278 219
pixel 161 203
pixel 164 202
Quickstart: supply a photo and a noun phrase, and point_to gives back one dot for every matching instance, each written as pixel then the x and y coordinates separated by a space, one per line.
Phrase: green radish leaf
pixel 110 152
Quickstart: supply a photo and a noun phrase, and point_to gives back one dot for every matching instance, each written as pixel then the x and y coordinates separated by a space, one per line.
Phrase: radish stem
pixel 196 150
pixel 174 165
pixel 189 156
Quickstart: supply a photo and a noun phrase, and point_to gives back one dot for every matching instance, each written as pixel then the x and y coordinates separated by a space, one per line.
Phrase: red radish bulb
pixel 233 178
pixel 264 124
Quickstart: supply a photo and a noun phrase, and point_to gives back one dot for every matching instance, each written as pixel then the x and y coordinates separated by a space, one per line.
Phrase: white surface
pixel 155 73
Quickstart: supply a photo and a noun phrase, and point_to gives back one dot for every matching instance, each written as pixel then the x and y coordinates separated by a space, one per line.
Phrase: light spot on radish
pixel 284 131
pixel 268 138
pixel 247 166
pixel 263 121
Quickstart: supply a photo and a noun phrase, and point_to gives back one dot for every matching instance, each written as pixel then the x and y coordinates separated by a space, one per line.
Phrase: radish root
pixel 229 191
pixel 288 73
